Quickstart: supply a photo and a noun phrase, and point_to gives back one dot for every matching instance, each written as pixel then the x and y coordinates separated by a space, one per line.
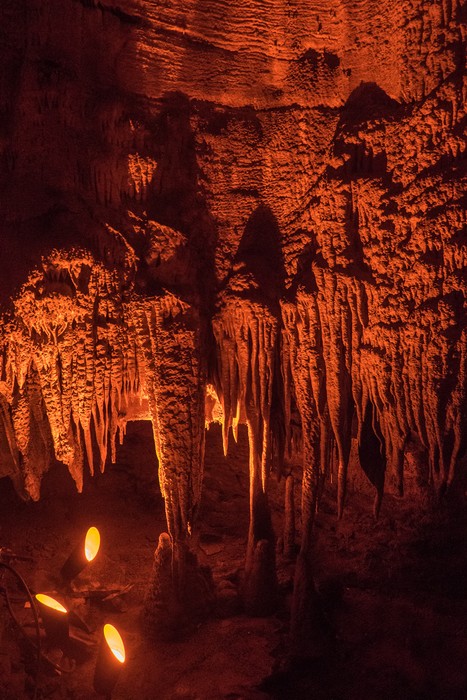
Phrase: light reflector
pixel 84 552
pixel 110 661
pixel 92 543
pixel 115 642
pixel 54 618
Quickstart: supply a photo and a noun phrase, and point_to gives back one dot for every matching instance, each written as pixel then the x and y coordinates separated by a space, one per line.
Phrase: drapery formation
pixel 80 357
pixel 246 334
pixel 84 351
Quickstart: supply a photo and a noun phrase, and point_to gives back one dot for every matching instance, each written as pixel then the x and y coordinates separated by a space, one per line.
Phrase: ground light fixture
pixel 83 553
pixel 110 660
pixel 54 619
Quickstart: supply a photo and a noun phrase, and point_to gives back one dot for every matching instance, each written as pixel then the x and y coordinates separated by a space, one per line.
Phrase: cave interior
pixel 233 350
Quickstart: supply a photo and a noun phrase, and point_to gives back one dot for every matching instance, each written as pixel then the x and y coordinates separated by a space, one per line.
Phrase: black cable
pixel 40 654
pixel 17 622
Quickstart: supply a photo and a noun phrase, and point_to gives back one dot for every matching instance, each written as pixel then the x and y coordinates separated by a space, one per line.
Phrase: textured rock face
pixel 269 196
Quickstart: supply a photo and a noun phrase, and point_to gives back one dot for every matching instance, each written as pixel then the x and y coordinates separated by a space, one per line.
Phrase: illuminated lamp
pixel 83 553
pixel 110 660
pixel 55 620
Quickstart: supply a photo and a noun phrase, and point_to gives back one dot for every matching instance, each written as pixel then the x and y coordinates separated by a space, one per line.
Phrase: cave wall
pixel 268 198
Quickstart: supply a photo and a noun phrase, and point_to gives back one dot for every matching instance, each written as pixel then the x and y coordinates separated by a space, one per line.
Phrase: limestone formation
pixel 265 199
pixel 171 610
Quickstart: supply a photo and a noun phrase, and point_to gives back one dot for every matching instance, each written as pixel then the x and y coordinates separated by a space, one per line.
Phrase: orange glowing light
pixel 92 543
pixel 115 642
pixel 50 602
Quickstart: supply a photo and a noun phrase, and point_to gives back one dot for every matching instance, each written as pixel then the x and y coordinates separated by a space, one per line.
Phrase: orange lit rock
pixel 269 197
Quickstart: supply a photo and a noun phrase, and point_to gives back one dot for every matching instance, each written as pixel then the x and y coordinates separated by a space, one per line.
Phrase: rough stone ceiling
pixel 264 201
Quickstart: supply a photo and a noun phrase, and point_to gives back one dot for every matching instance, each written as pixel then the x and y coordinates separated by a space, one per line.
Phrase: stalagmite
pixel 170 611
pixel 163 612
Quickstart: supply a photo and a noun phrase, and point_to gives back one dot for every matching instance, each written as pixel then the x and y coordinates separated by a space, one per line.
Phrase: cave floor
pixel 395 590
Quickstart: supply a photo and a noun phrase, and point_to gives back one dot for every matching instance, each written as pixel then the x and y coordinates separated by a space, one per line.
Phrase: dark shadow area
pixel 442 559
pixel 259 257
pixel 304 276
pixel 371 449
pixel 368 102
pixel 176 200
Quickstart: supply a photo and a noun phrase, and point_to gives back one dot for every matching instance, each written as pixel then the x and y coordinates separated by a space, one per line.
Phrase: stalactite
pixel 340 358
pixel 9 453
pixel 78 355
pixel 169 340
pixel 304 362
pixel 32 434
pixel 68 334
pixel 246 335
pixel 335 316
